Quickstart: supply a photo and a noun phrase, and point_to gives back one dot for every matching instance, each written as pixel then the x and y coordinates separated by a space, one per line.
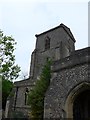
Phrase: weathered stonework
pixel 69 77
pixel 70 72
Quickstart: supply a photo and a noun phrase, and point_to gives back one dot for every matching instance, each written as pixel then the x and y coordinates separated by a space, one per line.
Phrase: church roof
pixel 68 31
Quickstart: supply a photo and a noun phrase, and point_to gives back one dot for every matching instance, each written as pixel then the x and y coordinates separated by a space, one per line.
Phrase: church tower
pixel 54 44
pixel 68 95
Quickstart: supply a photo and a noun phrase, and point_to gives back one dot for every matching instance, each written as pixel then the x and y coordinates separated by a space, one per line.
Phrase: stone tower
pixel 68 95
pixel 54 44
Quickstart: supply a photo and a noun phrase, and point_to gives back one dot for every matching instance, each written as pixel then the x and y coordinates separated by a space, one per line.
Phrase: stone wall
pixel 17 99
pixel 66 75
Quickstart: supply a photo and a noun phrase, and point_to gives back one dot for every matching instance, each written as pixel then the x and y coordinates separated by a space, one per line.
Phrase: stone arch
pixel 72 96
pixel 47 43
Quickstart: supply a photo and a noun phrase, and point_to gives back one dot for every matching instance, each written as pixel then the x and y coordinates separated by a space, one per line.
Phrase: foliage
pixel 8 69
pixel 36 96
pixel 6 89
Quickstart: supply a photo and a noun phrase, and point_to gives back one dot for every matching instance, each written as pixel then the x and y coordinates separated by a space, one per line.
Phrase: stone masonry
pixel 70 74
pixel 67 74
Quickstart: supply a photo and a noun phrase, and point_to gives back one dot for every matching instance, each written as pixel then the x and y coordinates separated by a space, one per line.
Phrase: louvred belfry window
pixel 47 43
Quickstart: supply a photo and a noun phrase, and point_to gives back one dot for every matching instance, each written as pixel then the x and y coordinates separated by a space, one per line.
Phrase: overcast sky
pixel 23 19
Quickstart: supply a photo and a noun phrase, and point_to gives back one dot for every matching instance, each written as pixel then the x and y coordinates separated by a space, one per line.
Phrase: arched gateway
pixel 81 106
pixel 78 102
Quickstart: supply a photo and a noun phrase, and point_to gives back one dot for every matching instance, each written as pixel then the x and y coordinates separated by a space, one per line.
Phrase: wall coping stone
pixel 77 57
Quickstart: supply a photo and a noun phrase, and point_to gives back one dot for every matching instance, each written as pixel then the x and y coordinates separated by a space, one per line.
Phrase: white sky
pixel 23 19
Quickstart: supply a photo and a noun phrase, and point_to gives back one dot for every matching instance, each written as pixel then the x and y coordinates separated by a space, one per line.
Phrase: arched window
pixel 16 94
pixel 47 43
pixel 26 95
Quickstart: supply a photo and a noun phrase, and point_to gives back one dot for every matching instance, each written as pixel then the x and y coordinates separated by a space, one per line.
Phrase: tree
pixel 6 89
pixel 37 94
pixel 8 69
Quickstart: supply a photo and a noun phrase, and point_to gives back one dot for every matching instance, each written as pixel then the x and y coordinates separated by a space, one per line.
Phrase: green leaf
pixel 36 96
pixel 8 69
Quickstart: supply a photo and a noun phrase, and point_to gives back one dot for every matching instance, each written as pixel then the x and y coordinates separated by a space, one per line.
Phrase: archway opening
pixel 81 106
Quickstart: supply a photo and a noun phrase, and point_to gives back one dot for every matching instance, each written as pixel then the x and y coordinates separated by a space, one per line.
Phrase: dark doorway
pixel 81 107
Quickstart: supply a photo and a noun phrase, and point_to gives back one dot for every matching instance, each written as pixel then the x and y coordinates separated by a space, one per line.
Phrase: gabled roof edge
pixel 64 27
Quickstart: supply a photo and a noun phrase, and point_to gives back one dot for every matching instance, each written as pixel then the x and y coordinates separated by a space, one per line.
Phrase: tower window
pixel 26 95
pixel 47 43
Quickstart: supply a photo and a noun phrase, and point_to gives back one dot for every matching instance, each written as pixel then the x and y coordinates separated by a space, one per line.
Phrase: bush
pixel 36 96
